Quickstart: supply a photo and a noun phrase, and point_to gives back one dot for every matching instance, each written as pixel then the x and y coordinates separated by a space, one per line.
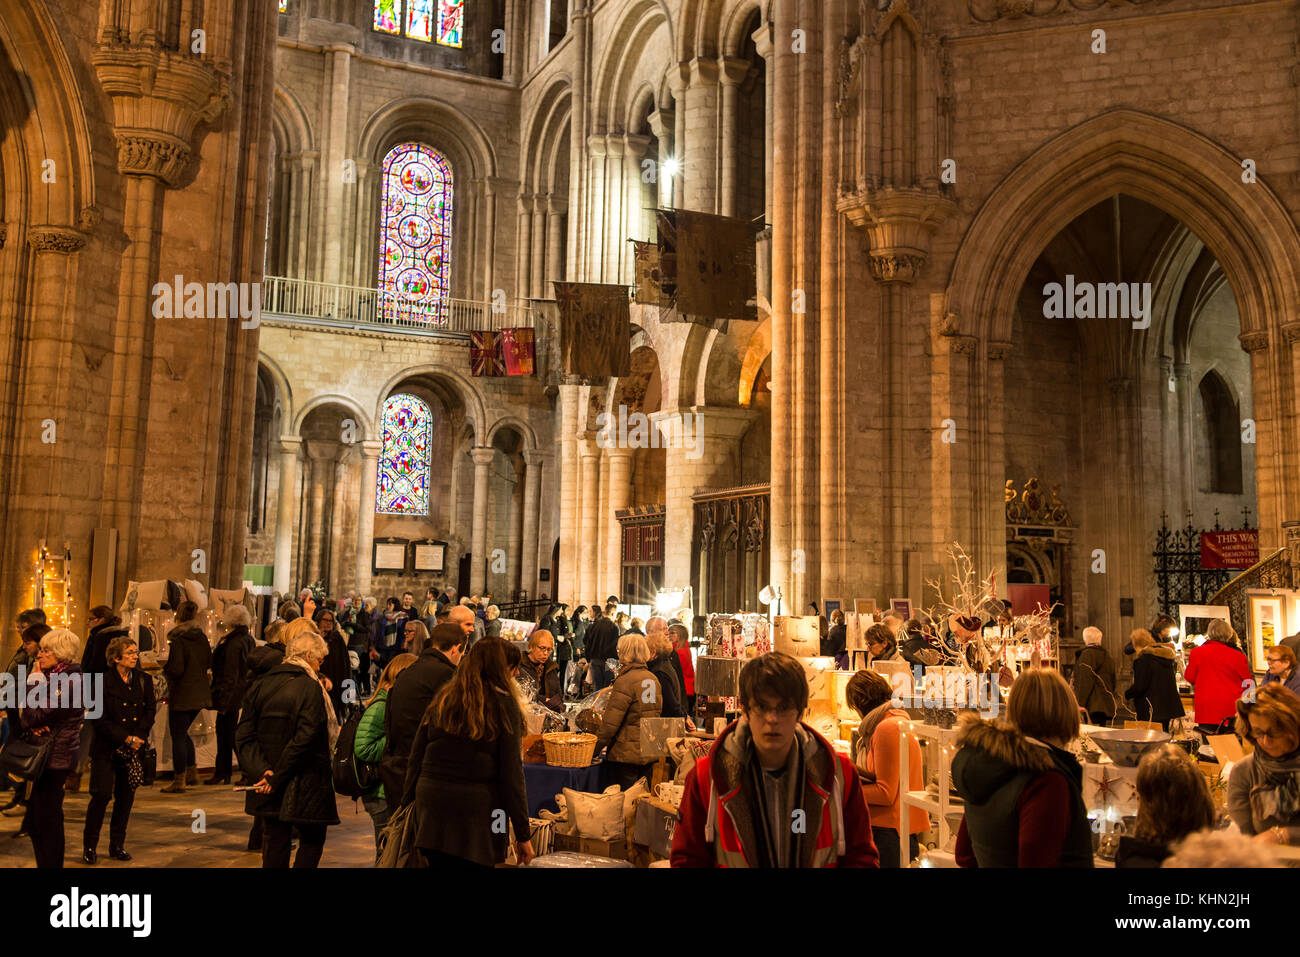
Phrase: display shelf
pixel 939 805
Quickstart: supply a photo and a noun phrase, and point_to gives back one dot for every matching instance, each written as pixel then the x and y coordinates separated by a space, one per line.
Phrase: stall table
pixel 543 782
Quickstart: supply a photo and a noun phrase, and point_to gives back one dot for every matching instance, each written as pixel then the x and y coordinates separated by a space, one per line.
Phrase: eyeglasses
pixel 778 713
pixel 1271 735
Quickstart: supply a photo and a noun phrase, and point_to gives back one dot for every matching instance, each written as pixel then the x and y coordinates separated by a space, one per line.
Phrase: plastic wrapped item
pixel 540 719
pixel 591 711
pixel 573 859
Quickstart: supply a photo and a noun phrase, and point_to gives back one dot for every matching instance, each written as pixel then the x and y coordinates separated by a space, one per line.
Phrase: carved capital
pixel 152 155
pixel 55 239
pixel 1292 331
pixel 898 224
pixel 1254 341
pixel 962 345
pixel 896 267
pixel 1000 350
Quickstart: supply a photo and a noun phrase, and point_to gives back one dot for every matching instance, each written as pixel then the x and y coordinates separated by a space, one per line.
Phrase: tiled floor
pixel 166 830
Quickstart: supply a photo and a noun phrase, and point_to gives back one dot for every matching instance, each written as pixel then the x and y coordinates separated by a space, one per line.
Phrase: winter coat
pixel 457 784
pixel 388 635
pixel 284 729
pixel 602 640
pixel 1154 691
pixel 620 728
pixel 546 677
pixel 1135 852
pixel 407 701
pixel 262 659
pixel 580 626
pixel 1094 681
pixel 129 711
pixel 687 669
pixel 230 674
pixel 94 657
pixel 1291 684
pixel 661 667
pixel 1218 673
pixel 62 712
pixel 1260 789
pixel 363 627
pixel 189 660
pixel 717 820
pixel 368 746
pixel 337 667
pixel 835 642
pixel 1024 800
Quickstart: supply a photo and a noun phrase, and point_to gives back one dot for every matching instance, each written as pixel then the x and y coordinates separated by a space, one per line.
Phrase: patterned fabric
pixel 517 350
pixel 485 353
pixel 595 329
pixel 715 266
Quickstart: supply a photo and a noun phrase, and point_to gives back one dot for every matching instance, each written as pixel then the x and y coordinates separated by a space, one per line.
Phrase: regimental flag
pixel 650 275
pixel 595 329
pixel 517 350
pixel 716 264
pixel 485 353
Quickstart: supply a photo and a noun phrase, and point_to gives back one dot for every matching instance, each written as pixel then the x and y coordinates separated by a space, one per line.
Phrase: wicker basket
pixel 565 749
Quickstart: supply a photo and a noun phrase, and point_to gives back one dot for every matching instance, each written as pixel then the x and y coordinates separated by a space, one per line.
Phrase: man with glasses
pixel 542 671
pixel 772 791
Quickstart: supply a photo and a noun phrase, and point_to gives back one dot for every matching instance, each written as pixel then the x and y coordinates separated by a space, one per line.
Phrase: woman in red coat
pixel 1218 673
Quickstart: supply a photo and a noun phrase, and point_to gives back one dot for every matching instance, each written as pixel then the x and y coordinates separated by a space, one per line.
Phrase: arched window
pixel 1222 424
pixel 402 486
pixel 420 23
pixel 415 235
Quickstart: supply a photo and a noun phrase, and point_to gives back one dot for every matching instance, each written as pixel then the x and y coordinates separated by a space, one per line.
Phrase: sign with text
pixel 1238 549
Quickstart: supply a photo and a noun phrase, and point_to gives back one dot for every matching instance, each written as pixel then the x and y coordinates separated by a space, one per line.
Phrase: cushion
pixel 597 816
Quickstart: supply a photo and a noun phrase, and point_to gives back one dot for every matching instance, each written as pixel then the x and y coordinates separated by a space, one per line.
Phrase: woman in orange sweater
pixel 876 756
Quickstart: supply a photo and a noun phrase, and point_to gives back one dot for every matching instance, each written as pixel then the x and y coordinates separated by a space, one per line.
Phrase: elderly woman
pixel 189 662
pixel 60 715
pixel 492 626
pixel 1264 786
pixel 1154 691
pixel 285 739
pixel 636 694
pixel 881 644
pixel 1218 673
pixel 120 732
pixel 230 677
pixel 1094 678
pixel 1282 669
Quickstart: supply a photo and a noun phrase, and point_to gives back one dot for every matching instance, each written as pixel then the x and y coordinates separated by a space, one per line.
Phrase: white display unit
pixel 938 806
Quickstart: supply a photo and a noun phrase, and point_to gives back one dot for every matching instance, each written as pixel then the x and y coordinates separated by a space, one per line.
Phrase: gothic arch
pixel 430 121
pixel 290 123
pixel 471 399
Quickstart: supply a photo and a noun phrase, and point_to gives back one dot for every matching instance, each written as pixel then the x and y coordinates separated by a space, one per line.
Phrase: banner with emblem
pixel 716 266
pixel 485 353
pixel 517 351
pixel 595 329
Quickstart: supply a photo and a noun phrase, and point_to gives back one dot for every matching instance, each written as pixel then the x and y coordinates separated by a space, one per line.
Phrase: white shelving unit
pixel 937 806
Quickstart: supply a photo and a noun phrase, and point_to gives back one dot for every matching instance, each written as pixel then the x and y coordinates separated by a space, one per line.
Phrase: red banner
pixel 1239 549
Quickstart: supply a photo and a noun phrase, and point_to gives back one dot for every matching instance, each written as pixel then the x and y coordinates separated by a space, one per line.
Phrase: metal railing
pixel 364 307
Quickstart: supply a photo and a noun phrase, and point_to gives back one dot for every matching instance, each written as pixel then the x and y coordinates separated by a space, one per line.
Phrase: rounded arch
pixel 475 412
pixel 347 402
pixel 428 120
pixel 1156 160
pixel 733 32
pixel 617 72
pixel 756 353
pixel 283 391
pixel 290 124
pixel 525 431
pixel 543 132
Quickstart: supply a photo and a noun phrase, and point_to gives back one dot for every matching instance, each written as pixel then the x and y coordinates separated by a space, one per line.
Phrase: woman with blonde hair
pixel 1154 691
pixel 371 738
pixel 1264 786
pixel 1173 802
pixel 636 694
pixel 1023 790
pixel 1218 673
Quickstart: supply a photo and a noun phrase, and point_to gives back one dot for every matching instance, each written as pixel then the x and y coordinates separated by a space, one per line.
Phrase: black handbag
pixel 23 759
pixel 148 764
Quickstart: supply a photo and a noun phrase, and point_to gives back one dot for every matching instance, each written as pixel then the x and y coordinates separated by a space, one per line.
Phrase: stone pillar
pixel 554 252
pixel 701 136
pixel 620 496
pixel 362 230
pixel 336 144
pixel 763 46
pixel 541 205
pixel 680 144
pixel 370 452
pixel 1270 477
pixel 534 462
pixel 565 580
pixel 322 465
pixel 734 72
pixel 634 222
pixel 1182 375
pixel 597 210
pixel 482 456
pixel 489 245
pixel 286 514
pixel 614 196
pixel 589 539
pixel 524 276
pixel 515 532
pixel 663 124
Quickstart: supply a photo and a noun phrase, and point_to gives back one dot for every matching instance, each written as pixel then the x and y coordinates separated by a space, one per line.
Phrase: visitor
pixel 602 646
pixel 662 656
pixel 763 768
pixel 408 699
pixel 429 610
pixel 492 626
pixel 1282 669
pixel 1154 691
pixel 57 663
pixel 289 611
pixel 881 645
pixel 363 626
pixel 286 738
pixel 368 747
pixel 261 660
pixel 636 694
pixel 388 634
pixel 120 732
pixel 547 621
pixel 1218 673
pixel 336 669
pixel 307 604
pixel 875 753
pixel 1023 790
pixel 1173 802
pixel 1162 630
pixel 685 667
pixel 189 663
pixel 581 622
pixel 635 626
pixel 1293 642
pixel 1094 678
pixel 475 606
pixel 1264 786
pixel 836 643
pixel 230 677
pixel 466 767
pixel 1204 849
pixel 462 618
pixel 623 622
pixel 417 638
pixel 916 648
pixel 542 673
pixel 104 626
pixel 894 622
pixel 29 646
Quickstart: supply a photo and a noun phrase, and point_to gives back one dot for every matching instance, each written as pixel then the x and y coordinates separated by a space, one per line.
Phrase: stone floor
pixel 163 832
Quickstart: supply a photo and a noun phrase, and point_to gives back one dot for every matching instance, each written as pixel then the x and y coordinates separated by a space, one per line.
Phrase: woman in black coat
pixel 189 662
pixel 285 740
pixel 1154 691
pixel 661 666
pixel 119 734
pixel 465 775
pixel 336 668
pixel 229 682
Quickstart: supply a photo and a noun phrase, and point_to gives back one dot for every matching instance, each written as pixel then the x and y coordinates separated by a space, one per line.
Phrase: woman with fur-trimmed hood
pixel 1023 790
pixel 1154 691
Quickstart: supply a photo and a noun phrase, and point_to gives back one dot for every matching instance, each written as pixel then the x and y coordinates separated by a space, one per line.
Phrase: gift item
pixel 798 637
pixel 717 676
pixel 534 749
pixel 656 733
pixel 821 685
pixel 655 822
pixel 595 853
pixel 1109 789
pixel 598 816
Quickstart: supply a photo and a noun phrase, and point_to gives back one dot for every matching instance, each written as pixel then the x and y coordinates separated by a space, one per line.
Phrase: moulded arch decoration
pixel 756 353
pixel 526 431
pixel 733 32
pixel 290 122
pixel 615 77
pixel 545 129
pixel 1153 159
pixel 422 119
pixel 458 385
pixel 364 421
pixel 283 391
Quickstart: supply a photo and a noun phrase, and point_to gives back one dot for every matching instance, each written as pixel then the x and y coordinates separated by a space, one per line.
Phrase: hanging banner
pixel 1236 549
pixel 595 329
pixel 716 266
pixel 485 353
pixel 517 351
pixel 649 275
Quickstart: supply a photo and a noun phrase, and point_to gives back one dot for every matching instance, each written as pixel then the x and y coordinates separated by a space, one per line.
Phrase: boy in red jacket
pixel 772 791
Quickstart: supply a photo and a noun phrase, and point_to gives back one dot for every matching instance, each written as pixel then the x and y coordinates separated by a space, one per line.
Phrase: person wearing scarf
pixel 1264 786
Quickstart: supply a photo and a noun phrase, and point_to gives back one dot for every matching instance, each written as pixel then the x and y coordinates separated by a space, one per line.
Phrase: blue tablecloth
pixel 543 782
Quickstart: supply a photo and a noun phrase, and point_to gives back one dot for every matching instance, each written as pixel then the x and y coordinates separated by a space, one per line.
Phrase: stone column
pixel 614 196
pixel 524 274
pixel 286 514
pixel 1270 478
pixel 554 251
pixel 701 139
pixel 482 456
pixel 734 72
pixel 597 208
pixel 589 541
pixel 1182 375
pixel 322 465
pixel 663 124
pixel 620 496
pixel 304 199
pixel 541 204
pixel 635 149
pixel 565 580
pixel 370 452
pixel 763 46
pixel 340 58
pixel 363 233
pixel 534 462
pixel 489 245
pixel 515 532
pixel 680 144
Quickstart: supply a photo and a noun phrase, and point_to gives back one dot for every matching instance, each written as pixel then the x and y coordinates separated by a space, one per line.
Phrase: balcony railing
pixel 360 307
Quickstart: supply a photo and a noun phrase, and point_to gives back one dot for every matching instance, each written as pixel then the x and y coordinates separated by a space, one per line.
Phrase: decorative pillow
pixel 143 595
pixel 195 592
pixel 223 598
pixel 597 816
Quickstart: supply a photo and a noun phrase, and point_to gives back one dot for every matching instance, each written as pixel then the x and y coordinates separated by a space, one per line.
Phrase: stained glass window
pixel 415 235
pixel 388 16
pixel 284 6
pixel 451 22
pixel 419 19
pixel 402 486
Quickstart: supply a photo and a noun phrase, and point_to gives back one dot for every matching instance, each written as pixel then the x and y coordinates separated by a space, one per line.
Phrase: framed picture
pixel 389 555
pixel 429 555
pixel 865 606
pixel 1266 627
pixel 901 605
pixel 830 606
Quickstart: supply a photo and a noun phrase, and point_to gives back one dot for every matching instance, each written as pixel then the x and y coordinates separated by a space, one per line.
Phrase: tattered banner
pixel 595 329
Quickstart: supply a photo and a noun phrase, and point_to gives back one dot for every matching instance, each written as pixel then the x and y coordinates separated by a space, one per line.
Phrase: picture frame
pixel 388 555
pixel 429 556
pixel 901 605
pixel 830 606
pixel 865 606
